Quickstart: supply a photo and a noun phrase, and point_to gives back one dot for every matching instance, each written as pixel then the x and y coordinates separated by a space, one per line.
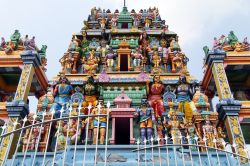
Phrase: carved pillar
pixel 228 108
pixel 18 109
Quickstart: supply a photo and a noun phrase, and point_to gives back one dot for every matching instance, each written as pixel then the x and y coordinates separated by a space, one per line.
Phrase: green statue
pixel 232 38
pixel 15 37
pixel 206 50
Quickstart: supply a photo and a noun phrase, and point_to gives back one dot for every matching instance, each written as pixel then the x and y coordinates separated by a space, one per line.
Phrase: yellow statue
pixel 156 59
pixel 209 132
pixel 91 64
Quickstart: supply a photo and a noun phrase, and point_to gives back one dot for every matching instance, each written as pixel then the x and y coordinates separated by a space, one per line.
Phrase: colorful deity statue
pixel 232 38
pixel 174 46
pixel 90 93
pixel 155 101
pixel 192 132
pixel 174 125
pixel 114 21
pixel 146 119
pixel 73 45
pixel 61 141
pixel 246 44
pixel 61 93
pixel 3 44
pixel 162 48
pixel 15 37
pixel 184 93
pixel 147 22
pixel 72 129
pixel 222 40
pixel 100 122
pixel 216 44
pixel 137 59
pixel 103 23
pixel 91 64
pixel 30 44
pixel 110 58
pixel 36 135
pixel 136 21
pixel 103 49
pixel 144 44
pixel 154 44
pixel 156 59
pixel 209 132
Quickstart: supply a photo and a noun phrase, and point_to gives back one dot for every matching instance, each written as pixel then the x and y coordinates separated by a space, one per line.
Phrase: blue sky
pixel 195 21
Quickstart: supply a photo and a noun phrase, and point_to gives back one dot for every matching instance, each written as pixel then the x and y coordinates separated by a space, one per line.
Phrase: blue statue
pixel 61 93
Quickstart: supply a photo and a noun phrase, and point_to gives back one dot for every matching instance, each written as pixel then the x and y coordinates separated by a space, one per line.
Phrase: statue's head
pixel 183 79
pixel 91 80
pixel 63 79
pixel 157 79
pixel 144 102
pixel 101 101
pixel 231 32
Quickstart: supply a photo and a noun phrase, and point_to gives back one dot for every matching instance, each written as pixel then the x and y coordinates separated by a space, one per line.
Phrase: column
pixel 18 108
pixel 228 108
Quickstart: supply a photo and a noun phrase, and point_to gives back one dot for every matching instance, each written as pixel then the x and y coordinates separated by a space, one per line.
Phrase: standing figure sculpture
pixel 232 38
pixel 155 101
pixel 137 59
pixel 146 119
pixel 61 93
pixel 184 93
pixel 110 59
pixel 192 132
pixel 174 126
pixel 156 59
pixel 209 132
pixel 100 122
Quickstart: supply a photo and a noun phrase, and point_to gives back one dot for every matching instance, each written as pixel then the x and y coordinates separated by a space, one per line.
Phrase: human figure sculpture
pixel 91 64
pixel 110 58
pixel 100 122
pixel 35 140
pixel 61 141
pixel 174 46
pixel 3 44
pixel 146 119
pixel 192 132
pixel 73 133
pixel 209 132
pixel 103 23
pixel 163 49
pixel 144 44
pixel 216 44
pixel 114 21
pixel 222 40
pixel 137 58
pixel 156 59
pixel 184 93
pixel 136 21
pixel 155 101
pixel 246 44
pixel 174 126
pixel 73 45
pixel 147 22
pixel 15 37
pixel 232 38
pixel 61 93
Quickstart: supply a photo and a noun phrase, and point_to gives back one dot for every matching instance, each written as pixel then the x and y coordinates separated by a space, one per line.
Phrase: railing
pixel 66 141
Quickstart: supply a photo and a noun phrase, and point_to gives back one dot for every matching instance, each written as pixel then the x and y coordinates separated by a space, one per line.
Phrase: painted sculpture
pixel 146 120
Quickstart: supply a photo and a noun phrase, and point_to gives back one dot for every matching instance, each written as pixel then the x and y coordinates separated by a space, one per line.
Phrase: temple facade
pixel 124 96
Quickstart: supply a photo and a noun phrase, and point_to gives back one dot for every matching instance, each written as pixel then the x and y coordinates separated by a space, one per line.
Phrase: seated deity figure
pixel 137 58
pixel 61 93
pixel 144 44
pixel 246 44
pixel 91 64
pixel 184 93
pixel 209 132
pixel 174 125
pixel 100 122
pixel 72 132
pixel 156 59
pixel 73 46
pixel 216 44
pixel 15 37
pixel 110 58
pixel 222 40
pixel 146 119
pixel 147 22
pixel 232 38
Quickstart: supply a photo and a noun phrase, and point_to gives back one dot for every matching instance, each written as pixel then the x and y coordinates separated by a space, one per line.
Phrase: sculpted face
pixel 157 79
pixel 183 79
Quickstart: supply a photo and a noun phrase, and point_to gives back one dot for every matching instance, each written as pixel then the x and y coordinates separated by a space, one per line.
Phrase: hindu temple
pixel 124 96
